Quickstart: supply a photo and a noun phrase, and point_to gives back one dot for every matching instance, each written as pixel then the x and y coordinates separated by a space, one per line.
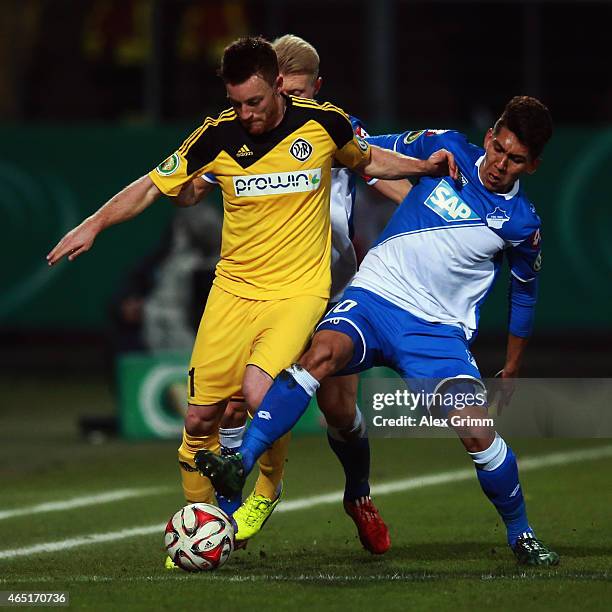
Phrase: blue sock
pixel 229 505
pixel 281 408
pixel 352 448
pixel 498 476
pixel 230 439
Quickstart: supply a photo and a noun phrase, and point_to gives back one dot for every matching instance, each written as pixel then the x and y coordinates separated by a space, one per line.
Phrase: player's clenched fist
pixel 443 164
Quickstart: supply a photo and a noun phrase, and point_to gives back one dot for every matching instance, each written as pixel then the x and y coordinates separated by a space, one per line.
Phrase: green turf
pixel 448 545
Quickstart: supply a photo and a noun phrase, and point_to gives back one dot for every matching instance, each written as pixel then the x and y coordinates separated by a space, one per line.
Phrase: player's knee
pixel 329 353
pixel 253 395
pixel 235 415
pixel 194 426
pixel 251 398
pixel 348 430
pixel 474 426
pixel 341 421
pixel 318 361
pixel 201 420
pixel 255 385
pixel 476 440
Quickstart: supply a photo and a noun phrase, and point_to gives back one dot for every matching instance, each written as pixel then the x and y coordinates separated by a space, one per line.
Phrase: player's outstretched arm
pixel 128 203
pixel 395 191
pixel 387 164
pixel 192 192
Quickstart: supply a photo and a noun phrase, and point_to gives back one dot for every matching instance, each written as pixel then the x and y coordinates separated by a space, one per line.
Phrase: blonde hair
pixel 296 56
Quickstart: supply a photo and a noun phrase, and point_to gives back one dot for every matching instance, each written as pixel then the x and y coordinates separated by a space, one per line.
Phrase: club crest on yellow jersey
pixel 301 149
pixel 169 165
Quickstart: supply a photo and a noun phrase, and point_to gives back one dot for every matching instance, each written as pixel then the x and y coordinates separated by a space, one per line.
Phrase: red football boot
pixel 372 530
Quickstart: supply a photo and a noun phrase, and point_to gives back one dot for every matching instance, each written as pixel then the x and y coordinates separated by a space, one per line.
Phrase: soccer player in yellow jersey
pixel 272 157
pixel 298 64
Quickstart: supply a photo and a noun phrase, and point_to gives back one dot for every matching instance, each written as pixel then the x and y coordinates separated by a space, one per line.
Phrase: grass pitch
pixel 448 545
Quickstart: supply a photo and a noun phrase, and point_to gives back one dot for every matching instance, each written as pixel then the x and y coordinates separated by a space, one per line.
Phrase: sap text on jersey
pixel 277 183
pixel 447 203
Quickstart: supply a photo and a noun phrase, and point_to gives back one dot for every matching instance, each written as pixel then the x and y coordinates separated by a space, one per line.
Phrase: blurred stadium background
pixel 94 93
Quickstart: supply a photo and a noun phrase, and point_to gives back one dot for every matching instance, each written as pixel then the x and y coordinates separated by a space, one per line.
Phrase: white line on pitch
pixel 526 464
pixel 396 486
pixel 85 500
pixel 224 576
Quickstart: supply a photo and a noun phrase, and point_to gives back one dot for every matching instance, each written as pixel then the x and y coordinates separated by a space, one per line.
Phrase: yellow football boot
pixel 253 514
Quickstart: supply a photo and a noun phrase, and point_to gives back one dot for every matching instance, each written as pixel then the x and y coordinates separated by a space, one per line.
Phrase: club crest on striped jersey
pixel 300 149
pixel 448 204
pixel 497 218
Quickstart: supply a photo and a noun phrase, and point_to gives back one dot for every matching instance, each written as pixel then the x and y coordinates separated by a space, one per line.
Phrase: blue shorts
pixel 385 335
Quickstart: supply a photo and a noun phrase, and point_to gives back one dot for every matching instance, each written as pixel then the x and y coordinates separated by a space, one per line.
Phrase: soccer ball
pixel 199 537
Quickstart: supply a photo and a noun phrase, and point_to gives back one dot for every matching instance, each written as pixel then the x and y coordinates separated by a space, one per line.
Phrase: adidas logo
pixel 244 151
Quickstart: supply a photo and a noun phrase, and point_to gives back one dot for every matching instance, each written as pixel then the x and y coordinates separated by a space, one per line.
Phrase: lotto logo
pixel 446 203
pixel 264 414
pixel 277 183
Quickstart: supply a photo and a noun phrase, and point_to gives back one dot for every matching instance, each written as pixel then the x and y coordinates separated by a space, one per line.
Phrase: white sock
pixel 303 378
pixel 231 437
pixel 492 457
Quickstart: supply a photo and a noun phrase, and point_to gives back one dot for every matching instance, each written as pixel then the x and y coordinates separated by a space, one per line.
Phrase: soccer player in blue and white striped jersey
pixel 414 303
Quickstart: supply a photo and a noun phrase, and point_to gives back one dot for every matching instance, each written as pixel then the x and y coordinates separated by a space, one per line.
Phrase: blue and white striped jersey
pixel 441 251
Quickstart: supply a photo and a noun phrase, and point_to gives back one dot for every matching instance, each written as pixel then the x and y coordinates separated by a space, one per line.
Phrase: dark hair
pixel 530 120
pixel 246 57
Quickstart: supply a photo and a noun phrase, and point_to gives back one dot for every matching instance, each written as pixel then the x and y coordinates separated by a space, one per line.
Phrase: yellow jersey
pixel 276 189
